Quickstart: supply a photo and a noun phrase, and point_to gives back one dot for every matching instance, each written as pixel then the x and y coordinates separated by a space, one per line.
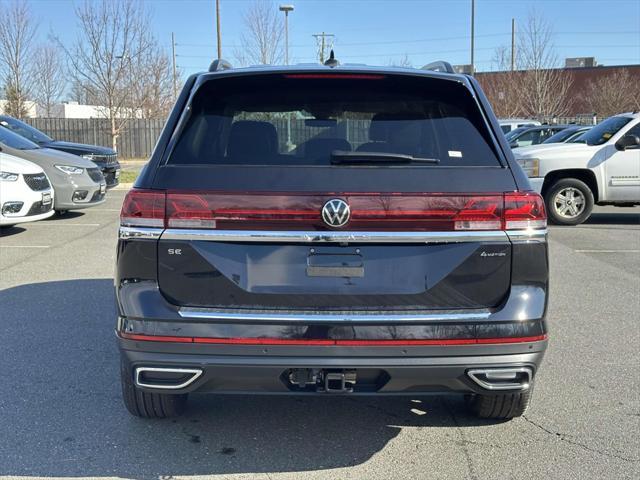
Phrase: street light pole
pixel 286 9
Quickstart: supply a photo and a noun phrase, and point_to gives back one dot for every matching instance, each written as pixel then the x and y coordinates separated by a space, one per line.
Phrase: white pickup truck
pixel 603 169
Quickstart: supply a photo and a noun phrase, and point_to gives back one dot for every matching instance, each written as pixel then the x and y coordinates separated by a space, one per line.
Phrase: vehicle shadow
pixel 67 215
pixel 9 231
pixel 627 218
pixel 63 415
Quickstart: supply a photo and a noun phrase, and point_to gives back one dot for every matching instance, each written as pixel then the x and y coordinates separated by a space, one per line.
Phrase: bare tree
pixel 403 61
pixel 152 87
pixel 17 32
pixel 544 87
pixel 262 43
pixel 613 93
pixel 113 35
pixel 49 77
pixel 503 89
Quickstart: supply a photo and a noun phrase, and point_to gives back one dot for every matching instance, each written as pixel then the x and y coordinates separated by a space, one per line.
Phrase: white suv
pixel 602 168
pixel 25 192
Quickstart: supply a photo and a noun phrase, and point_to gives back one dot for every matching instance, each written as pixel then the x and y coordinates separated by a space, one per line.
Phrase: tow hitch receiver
pixel 339 382
pixel 329 381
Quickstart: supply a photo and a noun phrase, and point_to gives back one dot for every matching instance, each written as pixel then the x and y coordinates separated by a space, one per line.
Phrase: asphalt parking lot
pixel 61 414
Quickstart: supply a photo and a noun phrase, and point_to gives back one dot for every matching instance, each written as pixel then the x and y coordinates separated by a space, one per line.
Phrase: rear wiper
pixel 356 158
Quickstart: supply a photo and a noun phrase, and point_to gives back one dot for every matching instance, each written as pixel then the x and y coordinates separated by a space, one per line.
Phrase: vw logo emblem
pixel 336 213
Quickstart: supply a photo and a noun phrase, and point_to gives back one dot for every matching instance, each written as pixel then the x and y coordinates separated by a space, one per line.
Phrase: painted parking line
pixel 607 251
pixel 61 224
pixel 25 246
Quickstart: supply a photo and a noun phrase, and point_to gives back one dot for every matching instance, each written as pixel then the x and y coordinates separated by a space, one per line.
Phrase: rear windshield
pixel 309 119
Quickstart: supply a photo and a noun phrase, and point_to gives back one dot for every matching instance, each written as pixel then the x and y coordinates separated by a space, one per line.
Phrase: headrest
pixel 250 137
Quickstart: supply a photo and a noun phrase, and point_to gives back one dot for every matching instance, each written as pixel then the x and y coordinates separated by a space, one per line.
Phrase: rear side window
pixel 306 119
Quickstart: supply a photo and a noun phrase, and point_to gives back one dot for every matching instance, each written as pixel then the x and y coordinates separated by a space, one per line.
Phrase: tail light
pixel 523 211
pixel 143 208
pixel 369 211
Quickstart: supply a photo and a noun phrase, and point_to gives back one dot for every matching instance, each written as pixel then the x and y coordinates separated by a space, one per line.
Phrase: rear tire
pixel 503 406
pixel 579 197
pixel 149 405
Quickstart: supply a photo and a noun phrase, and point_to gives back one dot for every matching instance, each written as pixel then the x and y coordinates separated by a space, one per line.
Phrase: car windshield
pixel 24 130
pixel 575 138
pixel 602 132
pixel 561 136
pixel 304 119
pixel 13 140
pixel 514 133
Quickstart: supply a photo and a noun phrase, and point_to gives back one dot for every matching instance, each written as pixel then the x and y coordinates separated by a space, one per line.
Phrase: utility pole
pixel 320 37
pixel 513 44
pixel 173 65
pixel 473 15
pixel 218 28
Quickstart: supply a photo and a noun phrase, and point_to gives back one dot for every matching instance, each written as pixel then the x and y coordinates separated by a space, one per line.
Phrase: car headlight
pixel 531 166
pixel 88 156
pixel 8 176
pixel 69 170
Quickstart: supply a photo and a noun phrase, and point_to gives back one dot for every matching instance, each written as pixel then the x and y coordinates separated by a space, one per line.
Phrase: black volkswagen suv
pixel 331 231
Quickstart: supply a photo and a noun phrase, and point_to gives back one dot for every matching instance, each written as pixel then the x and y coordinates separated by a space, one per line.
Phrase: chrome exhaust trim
pixel 498 378
pixel 194 372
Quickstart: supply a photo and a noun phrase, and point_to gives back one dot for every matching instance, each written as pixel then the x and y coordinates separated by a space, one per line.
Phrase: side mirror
pixel 628 141
pixel 514 144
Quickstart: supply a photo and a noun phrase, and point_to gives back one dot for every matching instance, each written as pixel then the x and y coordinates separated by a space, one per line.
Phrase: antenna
pixel 332 62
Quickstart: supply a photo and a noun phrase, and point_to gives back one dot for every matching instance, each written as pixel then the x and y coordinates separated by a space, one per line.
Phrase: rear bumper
pixel 378 370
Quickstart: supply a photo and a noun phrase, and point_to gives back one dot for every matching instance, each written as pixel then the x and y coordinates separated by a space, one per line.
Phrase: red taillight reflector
pixel 523 211
pixel 143 208
pixel 344 343
pixel 303 211
pixel 300 211
pixel 339 76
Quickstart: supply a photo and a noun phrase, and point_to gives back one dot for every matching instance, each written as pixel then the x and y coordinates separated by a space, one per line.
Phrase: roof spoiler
pixel 439 66
pixel 219 64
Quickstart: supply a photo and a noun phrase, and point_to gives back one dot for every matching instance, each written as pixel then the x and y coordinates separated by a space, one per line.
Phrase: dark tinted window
pixel 24 130
pixel 300 119
pixel 14 140
pixel 562 135
pixel 602 132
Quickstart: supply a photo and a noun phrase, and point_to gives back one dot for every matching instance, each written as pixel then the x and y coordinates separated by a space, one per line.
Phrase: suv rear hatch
pixel 334 192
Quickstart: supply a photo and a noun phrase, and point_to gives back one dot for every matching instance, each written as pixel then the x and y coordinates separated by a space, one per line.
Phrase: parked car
pixel 78 183
pixel 105 158
pixel 405 264
pixel 527 136
pixel 602 167
pixel 25 192
pixel 568 134
pixel 509 124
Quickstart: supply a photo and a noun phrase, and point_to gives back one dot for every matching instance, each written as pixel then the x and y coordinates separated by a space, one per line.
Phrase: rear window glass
pixel 308 119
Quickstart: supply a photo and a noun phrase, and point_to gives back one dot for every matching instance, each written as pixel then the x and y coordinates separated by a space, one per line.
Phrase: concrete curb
pixel 123 186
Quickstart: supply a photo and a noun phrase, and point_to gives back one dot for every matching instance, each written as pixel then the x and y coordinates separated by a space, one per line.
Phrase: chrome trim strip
pixel 266 236
pixel 139 232
pixel 499 373
pixel 213 314
pixel 528 235
pixel 195 372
